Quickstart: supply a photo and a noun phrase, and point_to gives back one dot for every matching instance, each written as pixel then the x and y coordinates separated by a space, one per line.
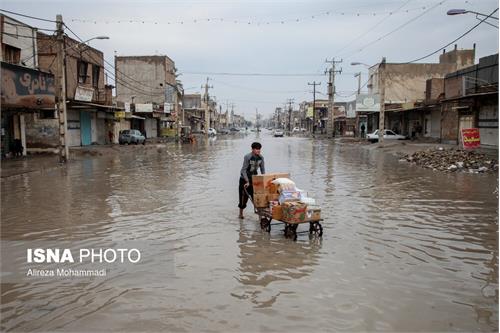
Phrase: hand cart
pixel 265 218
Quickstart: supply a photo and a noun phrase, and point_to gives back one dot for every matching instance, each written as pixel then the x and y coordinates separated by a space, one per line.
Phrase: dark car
pixel 223 131
pixel 131 136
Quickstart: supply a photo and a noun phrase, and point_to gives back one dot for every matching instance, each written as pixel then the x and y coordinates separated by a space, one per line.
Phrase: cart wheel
pixel 265 224
pixel 291 231
pixel 316 228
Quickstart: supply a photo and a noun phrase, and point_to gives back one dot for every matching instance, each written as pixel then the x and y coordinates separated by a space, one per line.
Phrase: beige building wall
pixel 143 77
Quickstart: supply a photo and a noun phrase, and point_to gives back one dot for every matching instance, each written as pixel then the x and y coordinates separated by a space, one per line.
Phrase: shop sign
pixel 470 138
pixel 144 107
pixel 84 94
pixel 119 114
pixel 366 102
pixel 26 88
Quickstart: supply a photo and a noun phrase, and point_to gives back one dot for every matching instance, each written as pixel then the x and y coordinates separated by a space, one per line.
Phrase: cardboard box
pixel 294 212
pixel 273 197
pixel 263 183
pixel 277 212
pixel 313 214
pixel 260 200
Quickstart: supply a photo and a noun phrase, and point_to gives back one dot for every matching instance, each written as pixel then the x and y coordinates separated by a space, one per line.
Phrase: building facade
pixel 90 114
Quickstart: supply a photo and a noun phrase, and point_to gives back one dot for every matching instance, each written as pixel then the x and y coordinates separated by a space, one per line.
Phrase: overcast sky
pixel 289 39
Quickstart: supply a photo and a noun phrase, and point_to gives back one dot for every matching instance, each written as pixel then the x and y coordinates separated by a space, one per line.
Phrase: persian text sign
pixel 26 88
pixel 471 138
pixel 84 94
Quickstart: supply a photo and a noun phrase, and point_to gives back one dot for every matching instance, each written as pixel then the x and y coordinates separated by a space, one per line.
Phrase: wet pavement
pixel 403 249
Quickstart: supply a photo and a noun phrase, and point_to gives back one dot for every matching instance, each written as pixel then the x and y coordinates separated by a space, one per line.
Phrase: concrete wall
pixel 151 127
pixel 74 139
pixel 102 128
pixel 407 82
pixel 434 88
pixel 462 58
pixel 47 49
pixel 191 101
pixel 41 133
pixel 449 124
pixel 488 122
pixel 144 77
pixel 12 28
pixel 93 127
pixel 435 123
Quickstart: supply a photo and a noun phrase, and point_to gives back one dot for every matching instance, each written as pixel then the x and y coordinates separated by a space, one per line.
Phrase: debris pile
pixel 453 160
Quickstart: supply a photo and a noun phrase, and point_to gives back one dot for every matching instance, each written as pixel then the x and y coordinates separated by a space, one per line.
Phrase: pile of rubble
pixel 453 160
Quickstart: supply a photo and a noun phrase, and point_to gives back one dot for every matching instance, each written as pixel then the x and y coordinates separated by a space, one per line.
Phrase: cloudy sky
pixel 258 54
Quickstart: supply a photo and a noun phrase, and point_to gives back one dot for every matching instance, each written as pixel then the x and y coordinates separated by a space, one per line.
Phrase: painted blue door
pixel 85 128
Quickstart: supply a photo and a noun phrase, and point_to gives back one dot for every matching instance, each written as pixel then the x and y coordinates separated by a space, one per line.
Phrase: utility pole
pixel 331 97
pixel 290 102
pixel 358 75
pixel 381 119
pixel 61 92
pixel 314 84
pixel 207 107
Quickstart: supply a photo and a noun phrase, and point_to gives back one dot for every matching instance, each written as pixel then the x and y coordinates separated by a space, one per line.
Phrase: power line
pixel 24 36
pixel 259 90
pixel 373 27
pixel 253 74
pixel 453 41
pixel 397 29
pixel 124 83
pixel 27 26
pixel 243 21
pixel 31 17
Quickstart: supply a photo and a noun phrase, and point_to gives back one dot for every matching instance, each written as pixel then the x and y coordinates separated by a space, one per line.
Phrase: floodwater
pixel 403 249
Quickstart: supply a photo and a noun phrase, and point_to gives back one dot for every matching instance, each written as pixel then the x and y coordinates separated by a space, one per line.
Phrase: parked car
pixel 224 131
pixel 278 133
pixel 296 130
pixel 212 131
pixel 388 135
pixel 234 129
pixel 131 136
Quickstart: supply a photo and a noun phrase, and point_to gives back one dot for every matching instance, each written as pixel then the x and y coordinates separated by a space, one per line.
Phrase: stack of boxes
pixel 264 190
pixel 284 205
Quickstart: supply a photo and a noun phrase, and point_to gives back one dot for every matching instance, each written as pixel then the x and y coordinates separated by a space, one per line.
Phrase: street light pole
pixel 381 123
pixel 61 88
pixel 358 75
pixel 485 17
pixel 61 92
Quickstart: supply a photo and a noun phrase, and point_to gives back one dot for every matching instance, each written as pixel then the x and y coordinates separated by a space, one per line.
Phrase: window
pixel 11 54
pixel 82 71
pixel 95 76
pixel 47 114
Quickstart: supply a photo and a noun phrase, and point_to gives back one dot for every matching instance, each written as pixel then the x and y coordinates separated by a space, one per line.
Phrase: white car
pixel 388 135
pixel 296 130
pixel 278 132
pixel 212 131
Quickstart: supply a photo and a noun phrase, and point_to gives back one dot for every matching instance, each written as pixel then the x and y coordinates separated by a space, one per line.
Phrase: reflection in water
pixel 264 260
pixel 398 241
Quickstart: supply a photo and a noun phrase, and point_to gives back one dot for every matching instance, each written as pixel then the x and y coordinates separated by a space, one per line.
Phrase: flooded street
pixel 403 249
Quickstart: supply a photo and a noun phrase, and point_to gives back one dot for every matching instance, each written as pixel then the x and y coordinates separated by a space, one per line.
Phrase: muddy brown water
pixel 404 248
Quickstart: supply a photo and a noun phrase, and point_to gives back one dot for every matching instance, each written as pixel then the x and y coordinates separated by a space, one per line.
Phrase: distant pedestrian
pixel 363 130
pixel 251 163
